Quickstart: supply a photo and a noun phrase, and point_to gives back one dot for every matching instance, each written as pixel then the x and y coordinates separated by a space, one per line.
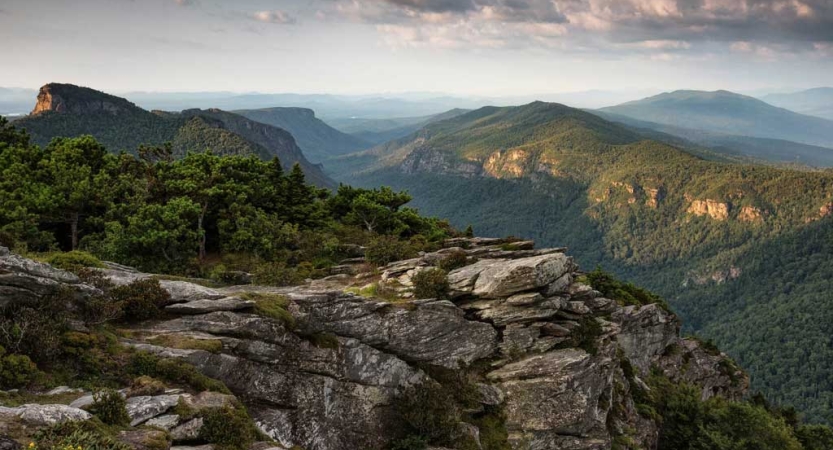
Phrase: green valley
pixel 725 243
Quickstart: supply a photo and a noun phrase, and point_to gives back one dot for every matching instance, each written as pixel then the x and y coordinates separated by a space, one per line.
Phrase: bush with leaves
pixel 141 299
pixel 87 435
pixel 110 407
pixel 430 283
pixel 454 260
pixel 73 260
pixel 228 428
pixel 16 370
pixel 387 249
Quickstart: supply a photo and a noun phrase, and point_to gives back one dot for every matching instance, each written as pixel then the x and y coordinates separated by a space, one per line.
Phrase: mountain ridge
pixel 318 140
pixel 730 113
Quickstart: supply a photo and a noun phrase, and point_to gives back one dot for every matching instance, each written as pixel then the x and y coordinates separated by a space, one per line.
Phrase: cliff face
pixel 561 362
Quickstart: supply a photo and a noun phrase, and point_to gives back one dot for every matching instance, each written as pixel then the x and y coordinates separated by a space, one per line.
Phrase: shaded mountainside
pixel 318 140
pixel 523 352
pixel 729 113
pixel 67 111
pixel 689 228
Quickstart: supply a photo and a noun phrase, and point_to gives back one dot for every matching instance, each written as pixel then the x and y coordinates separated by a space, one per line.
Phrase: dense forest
pixel 199 215
pixel 731 246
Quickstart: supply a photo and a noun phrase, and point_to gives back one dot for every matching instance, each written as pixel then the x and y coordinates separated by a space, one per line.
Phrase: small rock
pixel 145 439
pixel 525 299
pixel 553 329
pixel 577 308
pixel 188 431
pixel 210 399
pixel 166 422
pixel 63 390
pixel 490 395
pixel 141 409
pixel 7 443
pixel 560 285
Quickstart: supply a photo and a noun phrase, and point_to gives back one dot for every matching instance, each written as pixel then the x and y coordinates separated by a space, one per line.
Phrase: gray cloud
pixel 185 2
pixel 658 25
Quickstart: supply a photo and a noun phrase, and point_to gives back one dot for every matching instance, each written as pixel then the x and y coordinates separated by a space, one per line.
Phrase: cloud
pixel 661 26
pixel 274 16
pixel 185 2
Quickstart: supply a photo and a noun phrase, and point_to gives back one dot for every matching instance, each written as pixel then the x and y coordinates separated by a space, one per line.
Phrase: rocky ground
pixel 559 360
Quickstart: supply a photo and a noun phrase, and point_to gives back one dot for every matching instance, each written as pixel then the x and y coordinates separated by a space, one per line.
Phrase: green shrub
pixel 145 385
pixel 141 299
pixel 187 343
pixel 16 370
pixel 276 274
pixel 88 435
pixel 110 407
pixel 431 283
pixel 74 260
pixel 323 340
pixel 272 306
pixel 387 249
pixel 429 412
pixel 624 293
pixel 453 260
pixel 815 437
pixel 584 336
pixel 228 428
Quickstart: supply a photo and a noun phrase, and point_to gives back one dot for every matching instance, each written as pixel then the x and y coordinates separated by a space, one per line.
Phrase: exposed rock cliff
pixel 559 360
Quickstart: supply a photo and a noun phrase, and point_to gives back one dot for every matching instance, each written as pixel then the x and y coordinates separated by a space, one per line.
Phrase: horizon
pixel 485 48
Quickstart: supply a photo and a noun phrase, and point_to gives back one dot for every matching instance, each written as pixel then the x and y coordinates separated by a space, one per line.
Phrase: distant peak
pixel 69 98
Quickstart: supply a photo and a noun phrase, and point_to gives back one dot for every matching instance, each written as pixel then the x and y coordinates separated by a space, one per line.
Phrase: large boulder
pixel 145 407
pixel 502 278
pixel 646 332
pixel 25 281
pixel 555 400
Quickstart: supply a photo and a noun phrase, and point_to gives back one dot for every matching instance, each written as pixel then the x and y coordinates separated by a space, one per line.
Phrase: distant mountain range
pixel 739 250
pixel 734 147
pixel 318 140
pixel 813 102
pixel 728 113
pixel 64 110
pixel 377 131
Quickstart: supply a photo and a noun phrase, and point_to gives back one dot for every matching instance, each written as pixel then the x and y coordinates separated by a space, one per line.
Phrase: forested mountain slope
pixel 318 140
pixel 730 113
pixel 694 230
pixel 64 110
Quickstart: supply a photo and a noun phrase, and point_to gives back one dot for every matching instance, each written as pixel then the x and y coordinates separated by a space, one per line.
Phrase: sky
pixel 464 47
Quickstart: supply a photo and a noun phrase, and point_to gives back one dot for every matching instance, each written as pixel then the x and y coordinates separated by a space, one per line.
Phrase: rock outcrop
pixel 712 208
pixel 66 98
pixel 546 349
